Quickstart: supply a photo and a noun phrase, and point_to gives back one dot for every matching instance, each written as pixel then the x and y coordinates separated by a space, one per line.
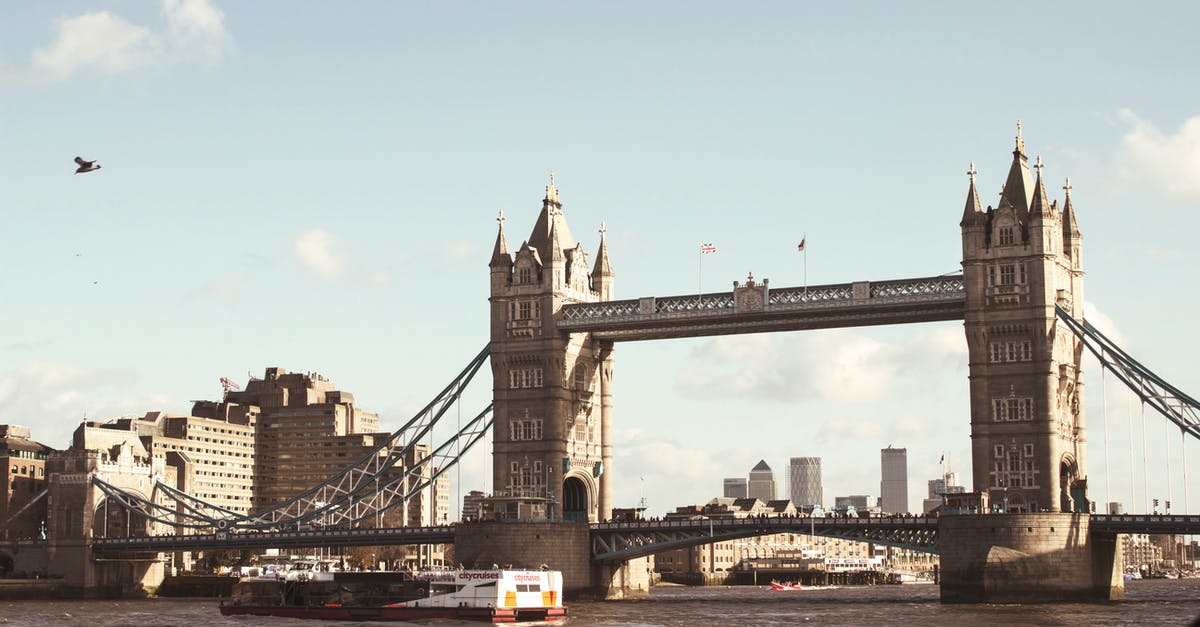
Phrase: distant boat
pixel 775 585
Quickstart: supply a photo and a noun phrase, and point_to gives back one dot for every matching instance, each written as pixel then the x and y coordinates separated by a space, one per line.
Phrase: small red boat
pixel 775 585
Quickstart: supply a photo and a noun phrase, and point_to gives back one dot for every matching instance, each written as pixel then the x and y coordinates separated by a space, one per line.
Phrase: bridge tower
pixel 1021 259
pixel 552 391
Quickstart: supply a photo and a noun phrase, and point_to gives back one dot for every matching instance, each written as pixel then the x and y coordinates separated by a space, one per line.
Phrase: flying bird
pixel 85 166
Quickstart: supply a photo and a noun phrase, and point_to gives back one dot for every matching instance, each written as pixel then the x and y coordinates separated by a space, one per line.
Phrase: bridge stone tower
pixel 552 391
pixel 1020 260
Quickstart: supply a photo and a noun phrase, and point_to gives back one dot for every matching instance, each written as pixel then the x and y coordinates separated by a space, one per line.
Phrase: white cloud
pixel 52 398
pixel 314 249
pixel 379 278
pixel 835 365
pixel 1103 323
pixel 196 26
pixel 1148 157
pixel 107 43
pixel 101 41
pixel 461 249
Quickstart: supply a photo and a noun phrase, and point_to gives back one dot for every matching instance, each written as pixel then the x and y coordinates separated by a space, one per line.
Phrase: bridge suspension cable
pixel 380 480
pixel 1172 403
pixel 1175 405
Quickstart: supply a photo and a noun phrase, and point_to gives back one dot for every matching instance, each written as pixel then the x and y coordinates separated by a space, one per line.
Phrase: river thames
pixel 1155 602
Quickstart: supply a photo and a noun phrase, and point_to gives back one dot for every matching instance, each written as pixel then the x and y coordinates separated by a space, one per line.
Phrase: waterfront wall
pixel 1026 558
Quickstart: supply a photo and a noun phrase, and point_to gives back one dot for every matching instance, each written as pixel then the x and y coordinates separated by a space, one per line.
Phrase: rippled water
pixel 1158 602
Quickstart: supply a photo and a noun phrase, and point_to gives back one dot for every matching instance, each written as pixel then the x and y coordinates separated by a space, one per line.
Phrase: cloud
pixel 106 43
pixel 460 249
pixel 836 365
pixel 52 398
pixel 1148 157
pixel 101 41
pixel 196 26
pixel 313 249
pixel 1103 323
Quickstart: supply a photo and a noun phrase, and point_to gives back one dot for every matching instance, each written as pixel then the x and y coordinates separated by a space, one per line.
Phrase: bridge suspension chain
pixel 377 482
pixel 1172 403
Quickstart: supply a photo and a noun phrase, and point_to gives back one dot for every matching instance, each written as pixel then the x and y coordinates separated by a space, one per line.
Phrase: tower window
pixel 525 275
pixel 1008 274
pixel 1006 236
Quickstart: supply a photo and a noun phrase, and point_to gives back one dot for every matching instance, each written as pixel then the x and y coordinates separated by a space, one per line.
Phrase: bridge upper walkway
pixel 787 309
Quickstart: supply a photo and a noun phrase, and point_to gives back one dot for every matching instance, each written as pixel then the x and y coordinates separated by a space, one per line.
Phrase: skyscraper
pixel 736 488
pixel 893 488
pixel 762 482
pixel 804 481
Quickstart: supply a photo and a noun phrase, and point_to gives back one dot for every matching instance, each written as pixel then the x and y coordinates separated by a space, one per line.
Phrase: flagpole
pixel 700 278
pixel 804 239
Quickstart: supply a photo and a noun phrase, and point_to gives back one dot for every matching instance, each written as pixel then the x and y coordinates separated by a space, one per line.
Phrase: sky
pixel 315 187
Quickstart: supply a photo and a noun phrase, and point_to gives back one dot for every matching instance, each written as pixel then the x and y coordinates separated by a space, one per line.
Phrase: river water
pixel 1153 602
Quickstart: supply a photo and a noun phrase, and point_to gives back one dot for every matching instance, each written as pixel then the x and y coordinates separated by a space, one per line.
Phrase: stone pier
pixel 561 546
pixel 1026 558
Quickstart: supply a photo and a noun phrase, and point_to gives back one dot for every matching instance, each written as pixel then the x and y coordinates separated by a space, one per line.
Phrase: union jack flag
pixel 707 248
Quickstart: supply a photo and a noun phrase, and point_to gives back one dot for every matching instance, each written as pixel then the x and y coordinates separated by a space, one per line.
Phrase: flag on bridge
pixel 707 248
pixel 801 246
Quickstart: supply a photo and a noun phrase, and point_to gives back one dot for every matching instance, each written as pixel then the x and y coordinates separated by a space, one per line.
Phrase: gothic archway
pixel 112 520
pixel 1068 477
pixel 575 500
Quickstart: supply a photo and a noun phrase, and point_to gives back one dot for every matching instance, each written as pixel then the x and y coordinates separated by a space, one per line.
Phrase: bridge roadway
pixel 761 308
pixel 619 541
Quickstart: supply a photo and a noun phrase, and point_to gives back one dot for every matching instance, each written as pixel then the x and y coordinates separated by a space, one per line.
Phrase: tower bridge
pixel 554 324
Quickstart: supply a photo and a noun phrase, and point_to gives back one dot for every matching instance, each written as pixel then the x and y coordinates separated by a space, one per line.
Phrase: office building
pixel 736 487
pixel 804 481
pixel 893 488
pixel 762 482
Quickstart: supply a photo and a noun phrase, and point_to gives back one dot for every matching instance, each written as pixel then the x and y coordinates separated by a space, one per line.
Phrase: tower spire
pixel 1070 226
pixel 972 210
pixel 1018 187
pixel 1038 205
pixel 500 254
pixel 602 272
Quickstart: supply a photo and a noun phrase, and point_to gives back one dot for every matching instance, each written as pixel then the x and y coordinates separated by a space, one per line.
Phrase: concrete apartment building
pixel 893 486
pixel 804 481
pixel 304 430
pixel 23 472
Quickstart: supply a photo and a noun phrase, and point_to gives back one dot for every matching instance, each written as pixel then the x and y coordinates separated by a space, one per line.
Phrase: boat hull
pixel 482 614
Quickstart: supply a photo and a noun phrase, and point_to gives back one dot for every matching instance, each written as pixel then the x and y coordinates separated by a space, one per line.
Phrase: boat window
pixel 529 587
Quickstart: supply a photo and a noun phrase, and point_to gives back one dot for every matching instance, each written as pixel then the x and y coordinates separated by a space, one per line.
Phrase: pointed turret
pixel 602 272
pixel 557 259
pixel 972 212
pixel 1038 205
pixel 1070 228
pixel 1018 187
pixel 551 216
pixel 500 255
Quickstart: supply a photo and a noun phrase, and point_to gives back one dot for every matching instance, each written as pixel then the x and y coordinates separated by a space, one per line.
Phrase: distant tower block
pixel 552 391
pixel 1021 259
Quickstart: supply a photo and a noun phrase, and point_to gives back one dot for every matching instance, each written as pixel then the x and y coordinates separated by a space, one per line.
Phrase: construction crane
pixel 227 383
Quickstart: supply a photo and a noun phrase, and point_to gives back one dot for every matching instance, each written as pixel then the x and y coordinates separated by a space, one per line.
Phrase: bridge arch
pixel 578 495
pixel 112 519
